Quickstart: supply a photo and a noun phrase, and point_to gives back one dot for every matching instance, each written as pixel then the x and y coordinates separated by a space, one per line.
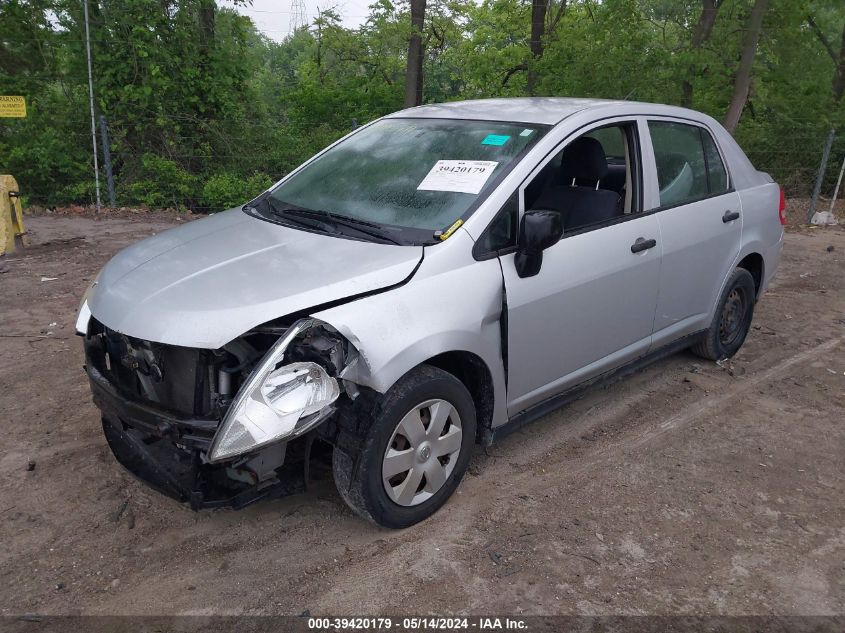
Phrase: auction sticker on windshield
pixel 460 176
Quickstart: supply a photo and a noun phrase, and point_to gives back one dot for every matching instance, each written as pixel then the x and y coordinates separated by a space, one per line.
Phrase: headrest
pixel 583 159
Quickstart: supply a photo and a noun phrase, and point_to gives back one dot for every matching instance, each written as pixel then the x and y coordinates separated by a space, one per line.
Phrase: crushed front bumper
pixel 164 451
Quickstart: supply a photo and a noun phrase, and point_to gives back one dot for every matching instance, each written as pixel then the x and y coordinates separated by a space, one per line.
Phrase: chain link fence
pixel 791 151
pixel 806 159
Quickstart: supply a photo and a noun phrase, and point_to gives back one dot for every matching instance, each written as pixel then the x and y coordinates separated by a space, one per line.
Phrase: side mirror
pixel 538 230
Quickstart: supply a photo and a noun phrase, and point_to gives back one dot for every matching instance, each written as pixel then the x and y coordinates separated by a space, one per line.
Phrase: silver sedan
pixel 433 280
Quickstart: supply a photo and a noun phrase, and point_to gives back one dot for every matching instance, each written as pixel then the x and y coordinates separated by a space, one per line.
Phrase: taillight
pixel 782 208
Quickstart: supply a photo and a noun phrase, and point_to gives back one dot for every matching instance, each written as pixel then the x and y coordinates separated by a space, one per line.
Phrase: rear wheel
pixel 731 320
pixel 416 451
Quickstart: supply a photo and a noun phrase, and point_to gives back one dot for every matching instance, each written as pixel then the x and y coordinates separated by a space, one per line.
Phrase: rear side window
pixel 681 167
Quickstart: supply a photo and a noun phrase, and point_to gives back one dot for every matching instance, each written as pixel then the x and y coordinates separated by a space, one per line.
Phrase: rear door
pixel 700 219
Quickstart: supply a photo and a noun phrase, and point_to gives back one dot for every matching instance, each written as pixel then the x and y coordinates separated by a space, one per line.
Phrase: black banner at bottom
pixel 30 623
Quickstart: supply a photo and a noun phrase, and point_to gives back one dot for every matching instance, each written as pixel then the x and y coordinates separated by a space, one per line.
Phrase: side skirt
pixel 537 411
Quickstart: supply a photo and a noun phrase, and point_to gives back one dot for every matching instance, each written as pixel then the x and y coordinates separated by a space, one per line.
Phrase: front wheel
pixel 731 320
pixel 416 451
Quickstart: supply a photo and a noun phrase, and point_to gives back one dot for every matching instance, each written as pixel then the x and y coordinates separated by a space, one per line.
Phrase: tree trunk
pixel 703 31
pixel 742 80
pixel 414 72
pixel 838 83
pixel 538 29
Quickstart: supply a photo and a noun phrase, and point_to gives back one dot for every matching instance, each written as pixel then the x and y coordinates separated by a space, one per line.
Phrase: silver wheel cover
pixel 422 452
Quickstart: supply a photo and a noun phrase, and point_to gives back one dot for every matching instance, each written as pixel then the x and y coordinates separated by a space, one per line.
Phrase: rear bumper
pixel 164 451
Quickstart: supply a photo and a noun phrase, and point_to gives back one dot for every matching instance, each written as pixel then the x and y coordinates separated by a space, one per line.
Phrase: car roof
pixel 537 110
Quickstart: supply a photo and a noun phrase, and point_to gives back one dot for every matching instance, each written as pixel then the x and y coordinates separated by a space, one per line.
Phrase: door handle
pixel 730 216
pixel 642 244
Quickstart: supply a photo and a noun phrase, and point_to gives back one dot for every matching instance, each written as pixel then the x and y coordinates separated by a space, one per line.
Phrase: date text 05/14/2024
pixel 428 623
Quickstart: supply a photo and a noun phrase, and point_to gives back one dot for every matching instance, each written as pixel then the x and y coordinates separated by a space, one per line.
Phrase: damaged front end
pixel 223 427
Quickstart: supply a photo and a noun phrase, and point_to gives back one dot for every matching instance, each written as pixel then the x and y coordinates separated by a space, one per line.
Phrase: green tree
pixel 203 109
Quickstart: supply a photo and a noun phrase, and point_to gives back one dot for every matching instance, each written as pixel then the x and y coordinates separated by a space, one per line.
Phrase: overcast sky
pixel 273 17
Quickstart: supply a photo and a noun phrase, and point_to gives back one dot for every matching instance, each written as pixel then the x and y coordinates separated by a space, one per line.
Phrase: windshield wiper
pixel 367 228
pixel 362 226
pixel 294 216
pixel 321 220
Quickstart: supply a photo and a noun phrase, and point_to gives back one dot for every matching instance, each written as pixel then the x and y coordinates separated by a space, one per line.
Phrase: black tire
pixel 729 328
pixel 359 477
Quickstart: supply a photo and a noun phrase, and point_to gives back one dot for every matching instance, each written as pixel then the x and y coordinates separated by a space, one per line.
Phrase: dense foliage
pixel 204 111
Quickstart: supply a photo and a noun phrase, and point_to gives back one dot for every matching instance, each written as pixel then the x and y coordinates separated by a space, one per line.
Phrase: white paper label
pixel 462 176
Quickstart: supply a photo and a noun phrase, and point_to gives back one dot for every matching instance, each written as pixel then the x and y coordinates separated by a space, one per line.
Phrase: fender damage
pixel 176 324
pixel 168 399
pixel 163 406
pixel 163 429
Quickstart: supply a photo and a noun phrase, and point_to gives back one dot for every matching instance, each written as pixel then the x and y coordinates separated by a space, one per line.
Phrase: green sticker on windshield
pixel 495 139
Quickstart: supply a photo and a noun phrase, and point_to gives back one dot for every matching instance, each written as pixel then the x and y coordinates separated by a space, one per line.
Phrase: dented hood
pixel 206 282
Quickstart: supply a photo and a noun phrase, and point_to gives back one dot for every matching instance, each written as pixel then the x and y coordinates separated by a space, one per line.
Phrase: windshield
pixel 414 176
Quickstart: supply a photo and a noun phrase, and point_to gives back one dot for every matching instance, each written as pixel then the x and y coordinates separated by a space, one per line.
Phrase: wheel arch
pixel 472 365
pixel 475 375
pixel 753 262
pixel 748 256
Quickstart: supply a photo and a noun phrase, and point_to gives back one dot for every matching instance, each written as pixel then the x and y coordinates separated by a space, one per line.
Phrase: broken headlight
pixel 277 402
pixel 84 313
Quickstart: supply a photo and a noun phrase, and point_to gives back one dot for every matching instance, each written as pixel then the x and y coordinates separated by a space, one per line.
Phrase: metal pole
pixel 838 183
pixel 104 138
pixel 91 103
pixel 820 177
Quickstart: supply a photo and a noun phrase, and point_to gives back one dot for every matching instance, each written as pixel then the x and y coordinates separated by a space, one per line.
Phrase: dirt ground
pixel 687 488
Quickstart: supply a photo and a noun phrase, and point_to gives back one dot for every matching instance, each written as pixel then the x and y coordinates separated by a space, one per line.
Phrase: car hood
pixel 205 283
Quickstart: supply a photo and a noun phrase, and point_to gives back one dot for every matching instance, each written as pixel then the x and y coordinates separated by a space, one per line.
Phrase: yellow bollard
pixel 12 232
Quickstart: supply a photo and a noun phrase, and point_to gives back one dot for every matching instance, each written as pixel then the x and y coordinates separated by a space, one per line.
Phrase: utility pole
pixel 91 103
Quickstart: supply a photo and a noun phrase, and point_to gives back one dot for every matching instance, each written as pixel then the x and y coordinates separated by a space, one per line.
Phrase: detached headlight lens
pixel 83 317
pixel 276 403
pixel 84 313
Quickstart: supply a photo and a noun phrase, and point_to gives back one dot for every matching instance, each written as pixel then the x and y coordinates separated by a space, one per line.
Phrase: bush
pixel 162 183
pixel 81 192
pixel 49 167
pixel 227 190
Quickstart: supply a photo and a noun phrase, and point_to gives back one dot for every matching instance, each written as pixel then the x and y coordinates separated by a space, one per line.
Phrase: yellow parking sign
pixel 12 107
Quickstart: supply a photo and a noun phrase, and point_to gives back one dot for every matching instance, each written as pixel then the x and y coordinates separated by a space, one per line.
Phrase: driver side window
pixel 593 181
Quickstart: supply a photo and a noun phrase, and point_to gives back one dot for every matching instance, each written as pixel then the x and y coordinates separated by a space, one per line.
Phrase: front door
pixel 591 306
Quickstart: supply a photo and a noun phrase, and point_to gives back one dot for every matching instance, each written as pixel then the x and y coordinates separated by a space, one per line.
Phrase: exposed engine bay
pixel 222 427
